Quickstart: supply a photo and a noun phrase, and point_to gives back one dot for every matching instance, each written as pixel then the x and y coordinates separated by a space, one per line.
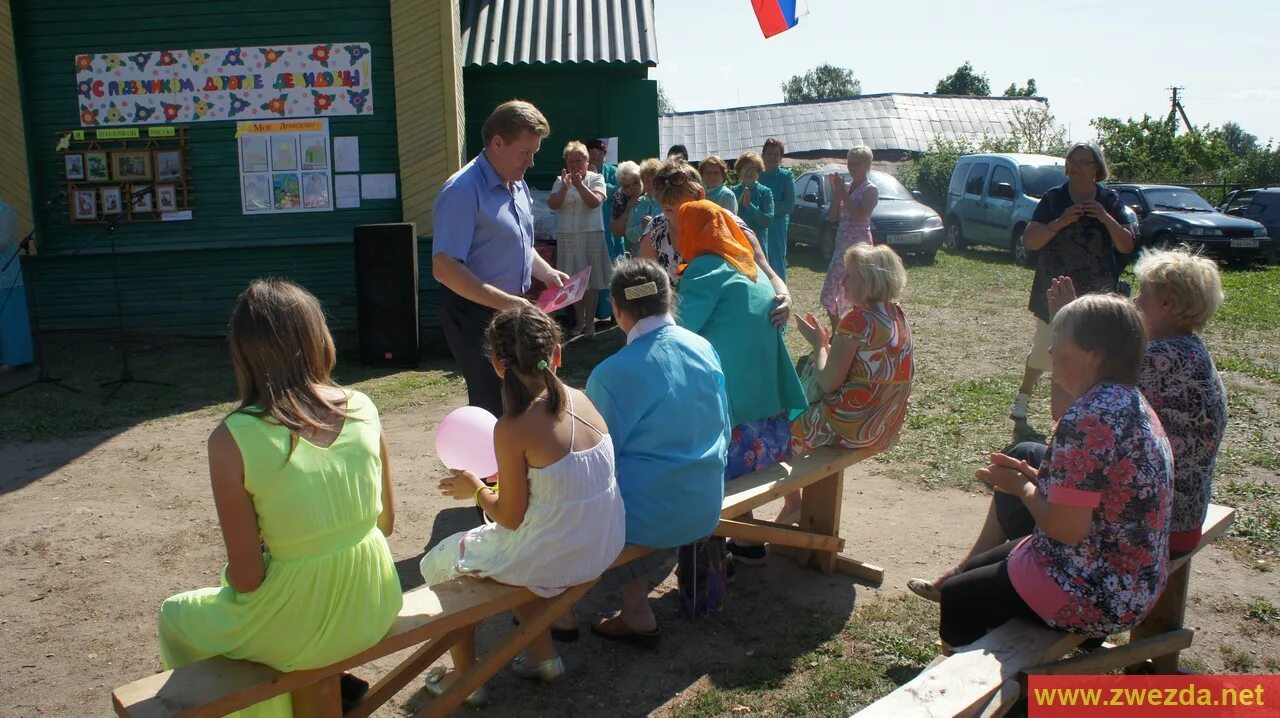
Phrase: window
pixel 1129 198
pixel 1266 206
pixel 973 183
pixel 1239 202
pixel 813 187
pixel 998 175
pixel 957 180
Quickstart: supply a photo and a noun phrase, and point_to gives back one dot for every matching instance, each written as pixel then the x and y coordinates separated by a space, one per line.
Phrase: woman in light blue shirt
pixel 714 170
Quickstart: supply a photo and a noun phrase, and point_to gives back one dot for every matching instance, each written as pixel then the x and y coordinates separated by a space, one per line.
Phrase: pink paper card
pixel 554 299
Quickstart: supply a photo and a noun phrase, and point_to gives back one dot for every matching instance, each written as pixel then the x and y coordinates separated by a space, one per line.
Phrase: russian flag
pixel 776 16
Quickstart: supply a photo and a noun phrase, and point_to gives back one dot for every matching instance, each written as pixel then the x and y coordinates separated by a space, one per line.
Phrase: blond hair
pixel 627 171
pixel 513 118
pixel 879 270
pixel 749 159
pixel 861 153
pixel 1188 281
pixel 672 193
pixel 649 168
pixel 575 147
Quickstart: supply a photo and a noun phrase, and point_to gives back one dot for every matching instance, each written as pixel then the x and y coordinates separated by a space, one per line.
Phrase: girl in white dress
pixel 559 519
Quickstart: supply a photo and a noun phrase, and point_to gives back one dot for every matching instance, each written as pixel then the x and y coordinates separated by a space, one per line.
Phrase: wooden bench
pixel 434 618
pixel 986 677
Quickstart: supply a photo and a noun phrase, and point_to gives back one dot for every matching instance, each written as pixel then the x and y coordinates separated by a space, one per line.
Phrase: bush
pixel 931 173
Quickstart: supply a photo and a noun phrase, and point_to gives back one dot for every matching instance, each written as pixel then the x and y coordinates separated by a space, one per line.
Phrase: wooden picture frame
pixel 97 167
pixel 112 202
pixel 166 197
pixel 73 166
pixel 168 164
pixel 143 202
pixel 130 166
pixel 84 205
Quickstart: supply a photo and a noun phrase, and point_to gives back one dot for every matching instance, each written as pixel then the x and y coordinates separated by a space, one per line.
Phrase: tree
pixel 964 81
pixel 664 102
pixel 1240 142
pixel 1152 150
pixel 1034 130
pixel 824 82
pixel 1014 91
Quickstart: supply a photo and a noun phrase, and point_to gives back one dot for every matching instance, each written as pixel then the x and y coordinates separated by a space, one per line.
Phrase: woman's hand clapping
pixel 460 485
pixel 1009 475
pixel 1062 291
pixel 813 332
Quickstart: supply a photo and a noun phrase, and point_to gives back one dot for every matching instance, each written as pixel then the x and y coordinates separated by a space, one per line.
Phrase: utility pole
pixel 1175 106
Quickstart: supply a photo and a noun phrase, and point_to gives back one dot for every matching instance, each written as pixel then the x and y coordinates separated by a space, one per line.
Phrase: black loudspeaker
pixel 387 294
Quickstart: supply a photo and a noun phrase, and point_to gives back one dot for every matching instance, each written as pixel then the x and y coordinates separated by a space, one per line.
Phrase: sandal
pixel 435 685
pixel 615 629
pixel 925 589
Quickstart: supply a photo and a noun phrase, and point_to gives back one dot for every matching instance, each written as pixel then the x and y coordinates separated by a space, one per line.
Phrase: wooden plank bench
pixel 987 677
pixel 435 617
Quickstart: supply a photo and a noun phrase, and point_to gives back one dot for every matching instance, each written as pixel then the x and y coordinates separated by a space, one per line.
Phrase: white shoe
pixel 546 671
pixel 1018 412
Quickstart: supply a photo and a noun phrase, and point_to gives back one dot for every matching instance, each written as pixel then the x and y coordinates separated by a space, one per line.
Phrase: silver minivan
pixel 991 198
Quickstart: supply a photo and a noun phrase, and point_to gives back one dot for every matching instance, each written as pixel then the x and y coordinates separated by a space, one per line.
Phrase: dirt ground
pixel 95 531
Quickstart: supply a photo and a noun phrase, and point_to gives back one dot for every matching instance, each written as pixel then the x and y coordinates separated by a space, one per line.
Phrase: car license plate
pixel 908 239
pixel 1245 243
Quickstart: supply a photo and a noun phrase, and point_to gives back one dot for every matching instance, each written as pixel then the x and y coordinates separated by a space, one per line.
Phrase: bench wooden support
pixel 777 534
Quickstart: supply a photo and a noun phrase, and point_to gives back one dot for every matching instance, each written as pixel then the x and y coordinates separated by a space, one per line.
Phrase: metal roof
pixel 890 121
pixel 528 32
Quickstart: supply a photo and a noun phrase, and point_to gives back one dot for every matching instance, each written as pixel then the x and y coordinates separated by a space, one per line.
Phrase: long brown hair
pixel 282 351
pixel 522 340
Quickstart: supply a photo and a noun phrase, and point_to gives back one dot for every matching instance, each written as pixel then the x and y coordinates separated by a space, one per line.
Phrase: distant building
pixel 895 126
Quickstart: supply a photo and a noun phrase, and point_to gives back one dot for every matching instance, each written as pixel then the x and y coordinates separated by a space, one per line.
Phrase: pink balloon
pixel 464 440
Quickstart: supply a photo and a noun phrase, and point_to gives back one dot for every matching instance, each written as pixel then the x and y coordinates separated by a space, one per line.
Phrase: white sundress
pixel 573 530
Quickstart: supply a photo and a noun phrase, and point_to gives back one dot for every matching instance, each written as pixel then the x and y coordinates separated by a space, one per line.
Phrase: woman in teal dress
pixel 783 186
pixel 713 171
pixel 755 201
pixel 303 493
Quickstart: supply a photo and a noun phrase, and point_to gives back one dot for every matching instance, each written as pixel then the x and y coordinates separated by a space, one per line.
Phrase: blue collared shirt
pixel 487 225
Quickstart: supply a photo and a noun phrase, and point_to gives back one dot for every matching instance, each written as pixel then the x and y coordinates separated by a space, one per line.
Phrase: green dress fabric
pixel 331 588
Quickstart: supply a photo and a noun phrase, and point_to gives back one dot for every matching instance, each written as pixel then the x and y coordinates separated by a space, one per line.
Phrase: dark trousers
pixel 980 598
pixel 464 323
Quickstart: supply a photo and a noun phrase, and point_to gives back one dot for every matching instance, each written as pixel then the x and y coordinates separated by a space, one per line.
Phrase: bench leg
pixel 319 700
pixel 1168 615
pixel 820 514
pixel 406 671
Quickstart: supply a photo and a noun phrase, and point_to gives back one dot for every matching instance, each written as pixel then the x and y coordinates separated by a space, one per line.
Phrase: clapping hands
pixel 1008 475
pixel 813 331
pixel 1062 291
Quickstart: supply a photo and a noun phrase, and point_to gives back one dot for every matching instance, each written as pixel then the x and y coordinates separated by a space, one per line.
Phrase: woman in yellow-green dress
pixel 303 493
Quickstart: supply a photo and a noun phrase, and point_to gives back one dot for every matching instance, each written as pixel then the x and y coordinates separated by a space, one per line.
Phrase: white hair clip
pixel 648 289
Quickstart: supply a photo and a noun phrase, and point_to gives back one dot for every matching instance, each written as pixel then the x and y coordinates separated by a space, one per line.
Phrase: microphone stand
pixel 42 376
pixel 126 376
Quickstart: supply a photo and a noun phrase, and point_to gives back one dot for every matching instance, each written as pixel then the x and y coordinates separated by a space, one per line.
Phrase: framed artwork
pixel 84 204
pixel 315 190
pixel 166 197
pixel 143 202
pixel 285 191
pixel 111 203
pixel 315 151
pixel 128 166
pixel 284 153
pixel 73 166
pixel 254 153
pixel 168 165
pixel 97 169
pixel 257 193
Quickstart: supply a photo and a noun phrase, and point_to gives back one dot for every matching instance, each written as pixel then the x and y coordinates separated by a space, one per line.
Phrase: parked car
pixel 899 220
pixel 991 198
pixel 1261 205
pixel 1170 215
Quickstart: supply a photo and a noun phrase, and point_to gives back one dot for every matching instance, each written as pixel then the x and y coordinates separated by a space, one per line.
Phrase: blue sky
pixel 1090 58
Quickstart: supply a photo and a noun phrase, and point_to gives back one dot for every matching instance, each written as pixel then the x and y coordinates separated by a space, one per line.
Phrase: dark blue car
pixel 1170 215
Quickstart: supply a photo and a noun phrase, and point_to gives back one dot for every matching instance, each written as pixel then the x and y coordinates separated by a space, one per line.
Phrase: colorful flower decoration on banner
pixel 233 57
pixel 114 113
pixel 203 107
pixel 84 62
pixel 88 116
pixel 167 59
pixel 270 56
pixel 238 105
pixel 197 58
pixel 320 53
pixel 276 105
pixel 171 111
pixel 141 59
pixel 323 101
pixel 113 62
pixel 359 100
pixel 84 87
pixel 142 113
pixel 356 52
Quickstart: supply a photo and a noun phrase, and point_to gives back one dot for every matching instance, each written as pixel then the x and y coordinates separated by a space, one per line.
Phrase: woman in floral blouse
pixel 1098 557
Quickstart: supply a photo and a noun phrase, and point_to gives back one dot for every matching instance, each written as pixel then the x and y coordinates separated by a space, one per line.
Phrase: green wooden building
pixel 182 276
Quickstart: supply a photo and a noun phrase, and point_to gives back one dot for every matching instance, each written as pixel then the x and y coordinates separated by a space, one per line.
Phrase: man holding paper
pixel 482 254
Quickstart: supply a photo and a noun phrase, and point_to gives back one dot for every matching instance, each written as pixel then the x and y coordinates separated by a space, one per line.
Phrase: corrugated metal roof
pixel 515 32
pixel 882 122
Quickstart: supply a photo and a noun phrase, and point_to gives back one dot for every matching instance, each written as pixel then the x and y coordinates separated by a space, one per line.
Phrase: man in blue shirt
pixel 482 253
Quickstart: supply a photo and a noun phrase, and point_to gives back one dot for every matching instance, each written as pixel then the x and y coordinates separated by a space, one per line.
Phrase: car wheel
pixel 954 241
pixel 1018 246
pixel 928 257
pixel 827 242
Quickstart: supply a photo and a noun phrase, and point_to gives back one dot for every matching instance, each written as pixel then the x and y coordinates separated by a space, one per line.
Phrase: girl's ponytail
pixel 522 339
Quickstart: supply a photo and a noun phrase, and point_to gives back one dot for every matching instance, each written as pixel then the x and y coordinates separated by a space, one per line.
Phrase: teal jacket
pixel 759 213
pixel 732 312
pixel 783 186
pixel 723 196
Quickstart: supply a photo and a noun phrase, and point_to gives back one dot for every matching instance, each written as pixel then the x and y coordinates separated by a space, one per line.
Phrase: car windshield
pixel 888 186
pixel 1179 200
pixel 1038 179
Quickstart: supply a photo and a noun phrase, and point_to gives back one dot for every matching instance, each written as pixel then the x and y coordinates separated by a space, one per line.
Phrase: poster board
pixel 286 166
pixel 126 174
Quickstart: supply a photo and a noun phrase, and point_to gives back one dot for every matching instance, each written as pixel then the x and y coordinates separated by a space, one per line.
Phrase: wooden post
pixel 319 700
pixel 401 675
pixel 820 514
pixel 1168 615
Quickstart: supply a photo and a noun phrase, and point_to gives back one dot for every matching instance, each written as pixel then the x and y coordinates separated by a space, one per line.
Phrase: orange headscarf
pixel 705 227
